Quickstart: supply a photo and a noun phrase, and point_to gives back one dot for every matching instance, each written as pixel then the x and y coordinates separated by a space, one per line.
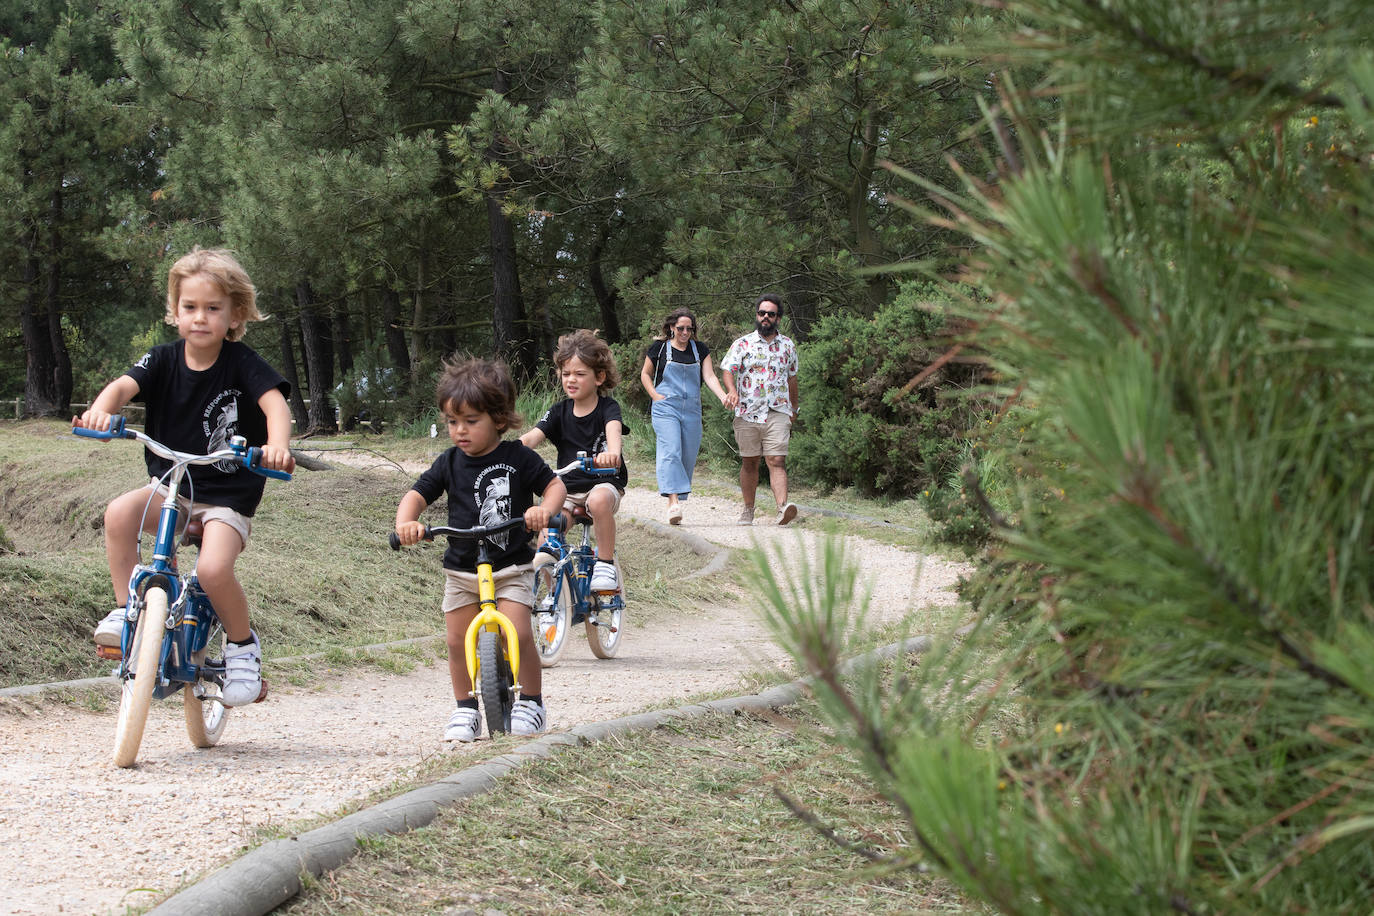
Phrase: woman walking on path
pixel 674 369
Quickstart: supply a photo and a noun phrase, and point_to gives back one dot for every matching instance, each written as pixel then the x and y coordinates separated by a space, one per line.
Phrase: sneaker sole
pixel 788 513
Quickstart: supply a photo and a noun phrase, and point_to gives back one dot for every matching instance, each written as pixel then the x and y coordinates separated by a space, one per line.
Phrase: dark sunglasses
pixel 766 314
pixel 689 328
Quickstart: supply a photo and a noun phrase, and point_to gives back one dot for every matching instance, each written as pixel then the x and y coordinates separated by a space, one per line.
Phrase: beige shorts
pixel 515 583
pixel 203 513
pixel 767 438
pixel 579 500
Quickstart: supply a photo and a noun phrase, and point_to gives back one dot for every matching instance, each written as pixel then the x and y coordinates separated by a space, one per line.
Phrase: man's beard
pixel 769 331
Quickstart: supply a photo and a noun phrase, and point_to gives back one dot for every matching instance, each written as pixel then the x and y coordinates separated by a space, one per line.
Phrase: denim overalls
pixel 677 422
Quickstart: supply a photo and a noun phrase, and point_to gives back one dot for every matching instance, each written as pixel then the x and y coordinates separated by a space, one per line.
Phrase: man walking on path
pixel 765 398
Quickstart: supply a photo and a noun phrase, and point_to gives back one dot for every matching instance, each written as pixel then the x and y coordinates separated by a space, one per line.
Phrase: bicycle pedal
pixel 109 653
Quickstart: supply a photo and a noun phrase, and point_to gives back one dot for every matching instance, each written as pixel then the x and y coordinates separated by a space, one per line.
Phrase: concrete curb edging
pixel 264 879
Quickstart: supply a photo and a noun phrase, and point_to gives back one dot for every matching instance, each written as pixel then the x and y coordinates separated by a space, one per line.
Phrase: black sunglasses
pixel 765 314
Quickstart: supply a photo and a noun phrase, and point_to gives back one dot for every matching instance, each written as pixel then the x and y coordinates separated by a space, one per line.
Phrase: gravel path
pixel 81 836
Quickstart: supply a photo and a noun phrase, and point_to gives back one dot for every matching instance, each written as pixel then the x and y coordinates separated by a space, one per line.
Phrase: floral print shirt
pixel 761 369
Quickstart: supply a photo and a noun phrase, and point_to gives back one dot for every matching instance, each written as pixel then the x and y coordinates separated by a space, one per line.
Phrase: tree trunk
pixel 801 285
pixel 391 329
pixel 40 395
pixel 867 245
pixel 319 361
pixel 510 331
pixel 417 319
pixel 62 362
pixel 343 339
pixel 606 297
pixel 289 372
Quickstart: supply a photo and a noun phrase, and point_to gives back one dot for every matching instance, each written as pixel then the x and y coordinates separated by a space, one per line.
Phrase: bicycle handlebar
pixel 583 461
pixel 468 534
pixel 243 456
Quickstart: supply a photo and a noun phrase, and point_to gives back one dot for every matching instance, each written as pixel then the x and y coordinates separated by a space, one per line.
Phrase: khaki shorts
pixel 203 513
pixel 767 438
pixel 579 500
pixel 514 582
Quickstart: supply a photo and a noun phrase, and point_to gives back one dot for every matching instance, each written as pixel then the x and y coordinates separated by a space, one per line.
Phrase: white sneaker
pixel 109 630
pixel 528 718
pixel 603 577
pixel 463 725
pixel 242 673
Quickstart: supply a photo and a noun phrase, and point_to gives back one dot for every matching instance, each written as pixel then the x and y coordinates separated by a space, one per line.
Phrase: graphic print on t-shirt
pixel 492 493
pixel 221 423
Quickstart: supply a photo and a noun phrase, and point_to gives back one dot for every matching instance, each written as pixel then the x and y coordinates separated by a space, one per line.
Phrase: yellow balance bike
pixel 491 646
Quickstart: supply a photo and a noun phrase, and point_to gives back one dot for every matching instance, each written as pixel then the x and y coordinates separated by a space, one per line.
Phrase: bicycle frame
pixel 495 693
pixel 491 620
pixel 570 599
pixel 174 658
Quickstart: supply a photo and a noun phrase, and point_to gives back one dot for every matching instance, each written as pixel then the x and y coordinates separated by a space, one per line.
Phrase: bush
pixel 863 424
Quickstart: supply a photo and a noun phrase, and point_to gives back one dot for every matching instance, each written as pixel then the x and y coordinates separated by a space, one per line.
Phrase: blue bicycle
pixel 563 595
pixel 170 625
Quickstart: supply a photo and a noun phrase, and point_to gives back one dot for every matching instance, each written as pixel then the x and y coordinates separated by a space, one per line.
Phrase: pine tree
pixel 1168 703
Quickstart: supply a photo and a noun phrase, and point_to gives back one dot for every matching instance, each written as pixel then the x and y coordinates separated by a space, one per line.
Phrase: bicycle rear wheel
pixel 137 693
pixel 496 682
pixel 205 718
pixel 551 624
pixel 605 624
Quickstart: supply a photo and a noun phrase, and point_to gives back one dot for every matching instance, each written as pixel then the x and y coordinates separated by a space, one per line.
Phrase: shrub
pixel 863 423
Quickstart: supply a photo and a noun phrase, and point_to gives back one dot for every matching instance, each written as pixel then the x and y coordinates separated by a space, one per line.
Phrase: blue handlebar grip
pixel 116 430
pixel 395 541
pixel 251 462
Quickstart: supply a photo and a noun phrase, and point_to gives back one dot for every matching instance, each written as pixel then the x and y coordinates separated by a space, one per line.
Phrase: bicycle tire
pixel 136 694
pixel 551 628
pixel 496 682
pixel 205 719
pixel 604 635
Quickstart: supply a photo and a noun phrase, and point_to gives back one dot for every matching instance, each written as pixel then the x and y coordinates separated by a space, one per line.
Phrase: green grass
pixel 682 819
pixel 319 574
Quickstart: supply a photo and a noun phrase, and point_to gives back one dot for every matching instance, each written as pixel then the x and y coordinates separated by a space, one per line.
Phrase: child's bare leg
pixel 455 629
pixel 601 507
pixel 123 518
pixel 220 546
pixel 531 672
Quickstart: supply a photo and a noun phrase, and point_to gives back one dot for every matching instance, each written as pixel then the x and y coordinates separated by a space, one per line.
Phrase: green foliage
pixel 1178 619
pixel 867 421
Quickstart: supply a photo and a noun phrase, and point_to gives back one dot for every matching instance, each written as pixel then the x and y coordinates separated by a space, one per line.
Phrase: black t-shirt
pixel 655 356
pixel 483 491
pixel 572 434
pixel 199 411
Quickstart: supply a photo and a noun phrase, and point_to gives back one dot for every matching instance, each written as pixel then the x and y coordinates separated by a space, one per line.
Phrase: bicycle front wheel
pixel 205 718
pixel 552 614
pixel 137 693
pixel 605 624
pixel 496 682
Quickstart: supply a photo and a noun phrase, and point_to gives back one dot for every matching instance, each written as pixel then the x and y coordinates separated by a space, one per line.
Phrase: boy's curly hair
pixel 593 351
pixel 480 384
pixel 220 265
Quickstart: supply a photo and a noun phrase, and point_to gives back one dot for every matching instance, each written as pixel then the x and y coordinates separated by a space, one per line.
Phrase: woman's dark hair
pixel 672 318
pixel 480 384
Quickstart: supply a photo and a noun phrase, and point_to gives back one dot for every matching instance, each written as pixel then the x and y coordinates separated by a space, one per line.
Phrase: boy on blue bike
pixel 199 392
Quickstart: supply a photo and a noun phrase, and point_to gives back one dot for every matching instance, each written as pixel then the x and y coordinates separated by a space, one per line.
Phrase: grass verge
pixel 679 819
